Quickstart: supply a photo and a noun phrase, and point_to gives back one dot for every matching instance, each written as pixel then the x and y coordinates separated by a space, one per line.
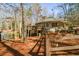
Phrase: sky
pixel 48 6
pixel 51 6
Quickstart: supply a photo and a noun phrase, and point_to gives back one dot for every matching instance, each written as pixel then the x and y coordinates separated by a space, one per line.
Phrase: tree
pixel 36 8
pixel 23 26
pixel 64 8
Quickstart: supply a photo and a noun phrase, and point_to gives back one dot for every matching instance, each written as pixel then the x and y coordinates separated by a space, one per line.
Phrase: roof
pixel 51 20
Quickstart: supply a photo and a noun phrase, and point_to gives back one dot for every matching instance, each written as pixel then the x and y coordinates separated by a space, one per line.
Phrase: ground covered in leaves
pixel 35 46
pixel 11 48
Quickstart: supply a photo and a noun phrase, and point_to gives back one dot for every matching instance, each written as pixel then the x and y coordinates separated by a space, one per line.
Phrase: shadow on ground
pixel 37 51
pixel 13 51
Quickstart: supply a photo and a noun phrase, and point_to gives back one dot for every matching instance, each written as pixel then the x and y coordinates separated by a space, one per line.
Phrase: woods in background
pixel 17 17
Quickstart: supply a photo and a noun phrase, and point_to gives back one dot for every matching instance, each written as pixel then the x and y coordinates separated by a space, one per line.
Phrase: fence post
pixel 47 46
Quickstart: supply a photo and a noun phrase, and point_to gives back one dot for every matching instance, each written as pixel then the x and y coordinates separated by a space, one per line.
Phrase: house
pixel 50 24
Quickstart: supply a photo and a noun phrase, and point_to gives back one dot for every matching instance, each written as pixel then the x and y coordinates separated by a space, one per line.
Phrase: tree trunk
pixel 23 27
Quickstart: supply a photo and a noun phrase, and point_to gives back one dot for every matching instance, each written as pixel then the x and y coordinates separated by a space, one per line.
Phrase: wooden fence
pixel 50 49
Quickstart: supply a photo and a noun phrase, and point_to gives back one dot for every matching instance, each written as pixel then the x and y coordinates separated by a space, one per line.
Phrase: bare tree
pixel 23 26
pixel 36 10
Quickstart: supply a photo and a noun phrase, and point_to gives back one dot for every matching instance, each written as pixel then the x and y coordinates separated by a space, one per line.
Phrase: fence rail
pixel 50 49
pixel 65 48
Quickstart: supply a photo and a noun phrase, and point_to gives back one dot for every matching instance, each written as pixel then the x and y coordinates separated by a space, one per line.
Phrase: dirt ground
pixel 9 48
pixel 35 47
